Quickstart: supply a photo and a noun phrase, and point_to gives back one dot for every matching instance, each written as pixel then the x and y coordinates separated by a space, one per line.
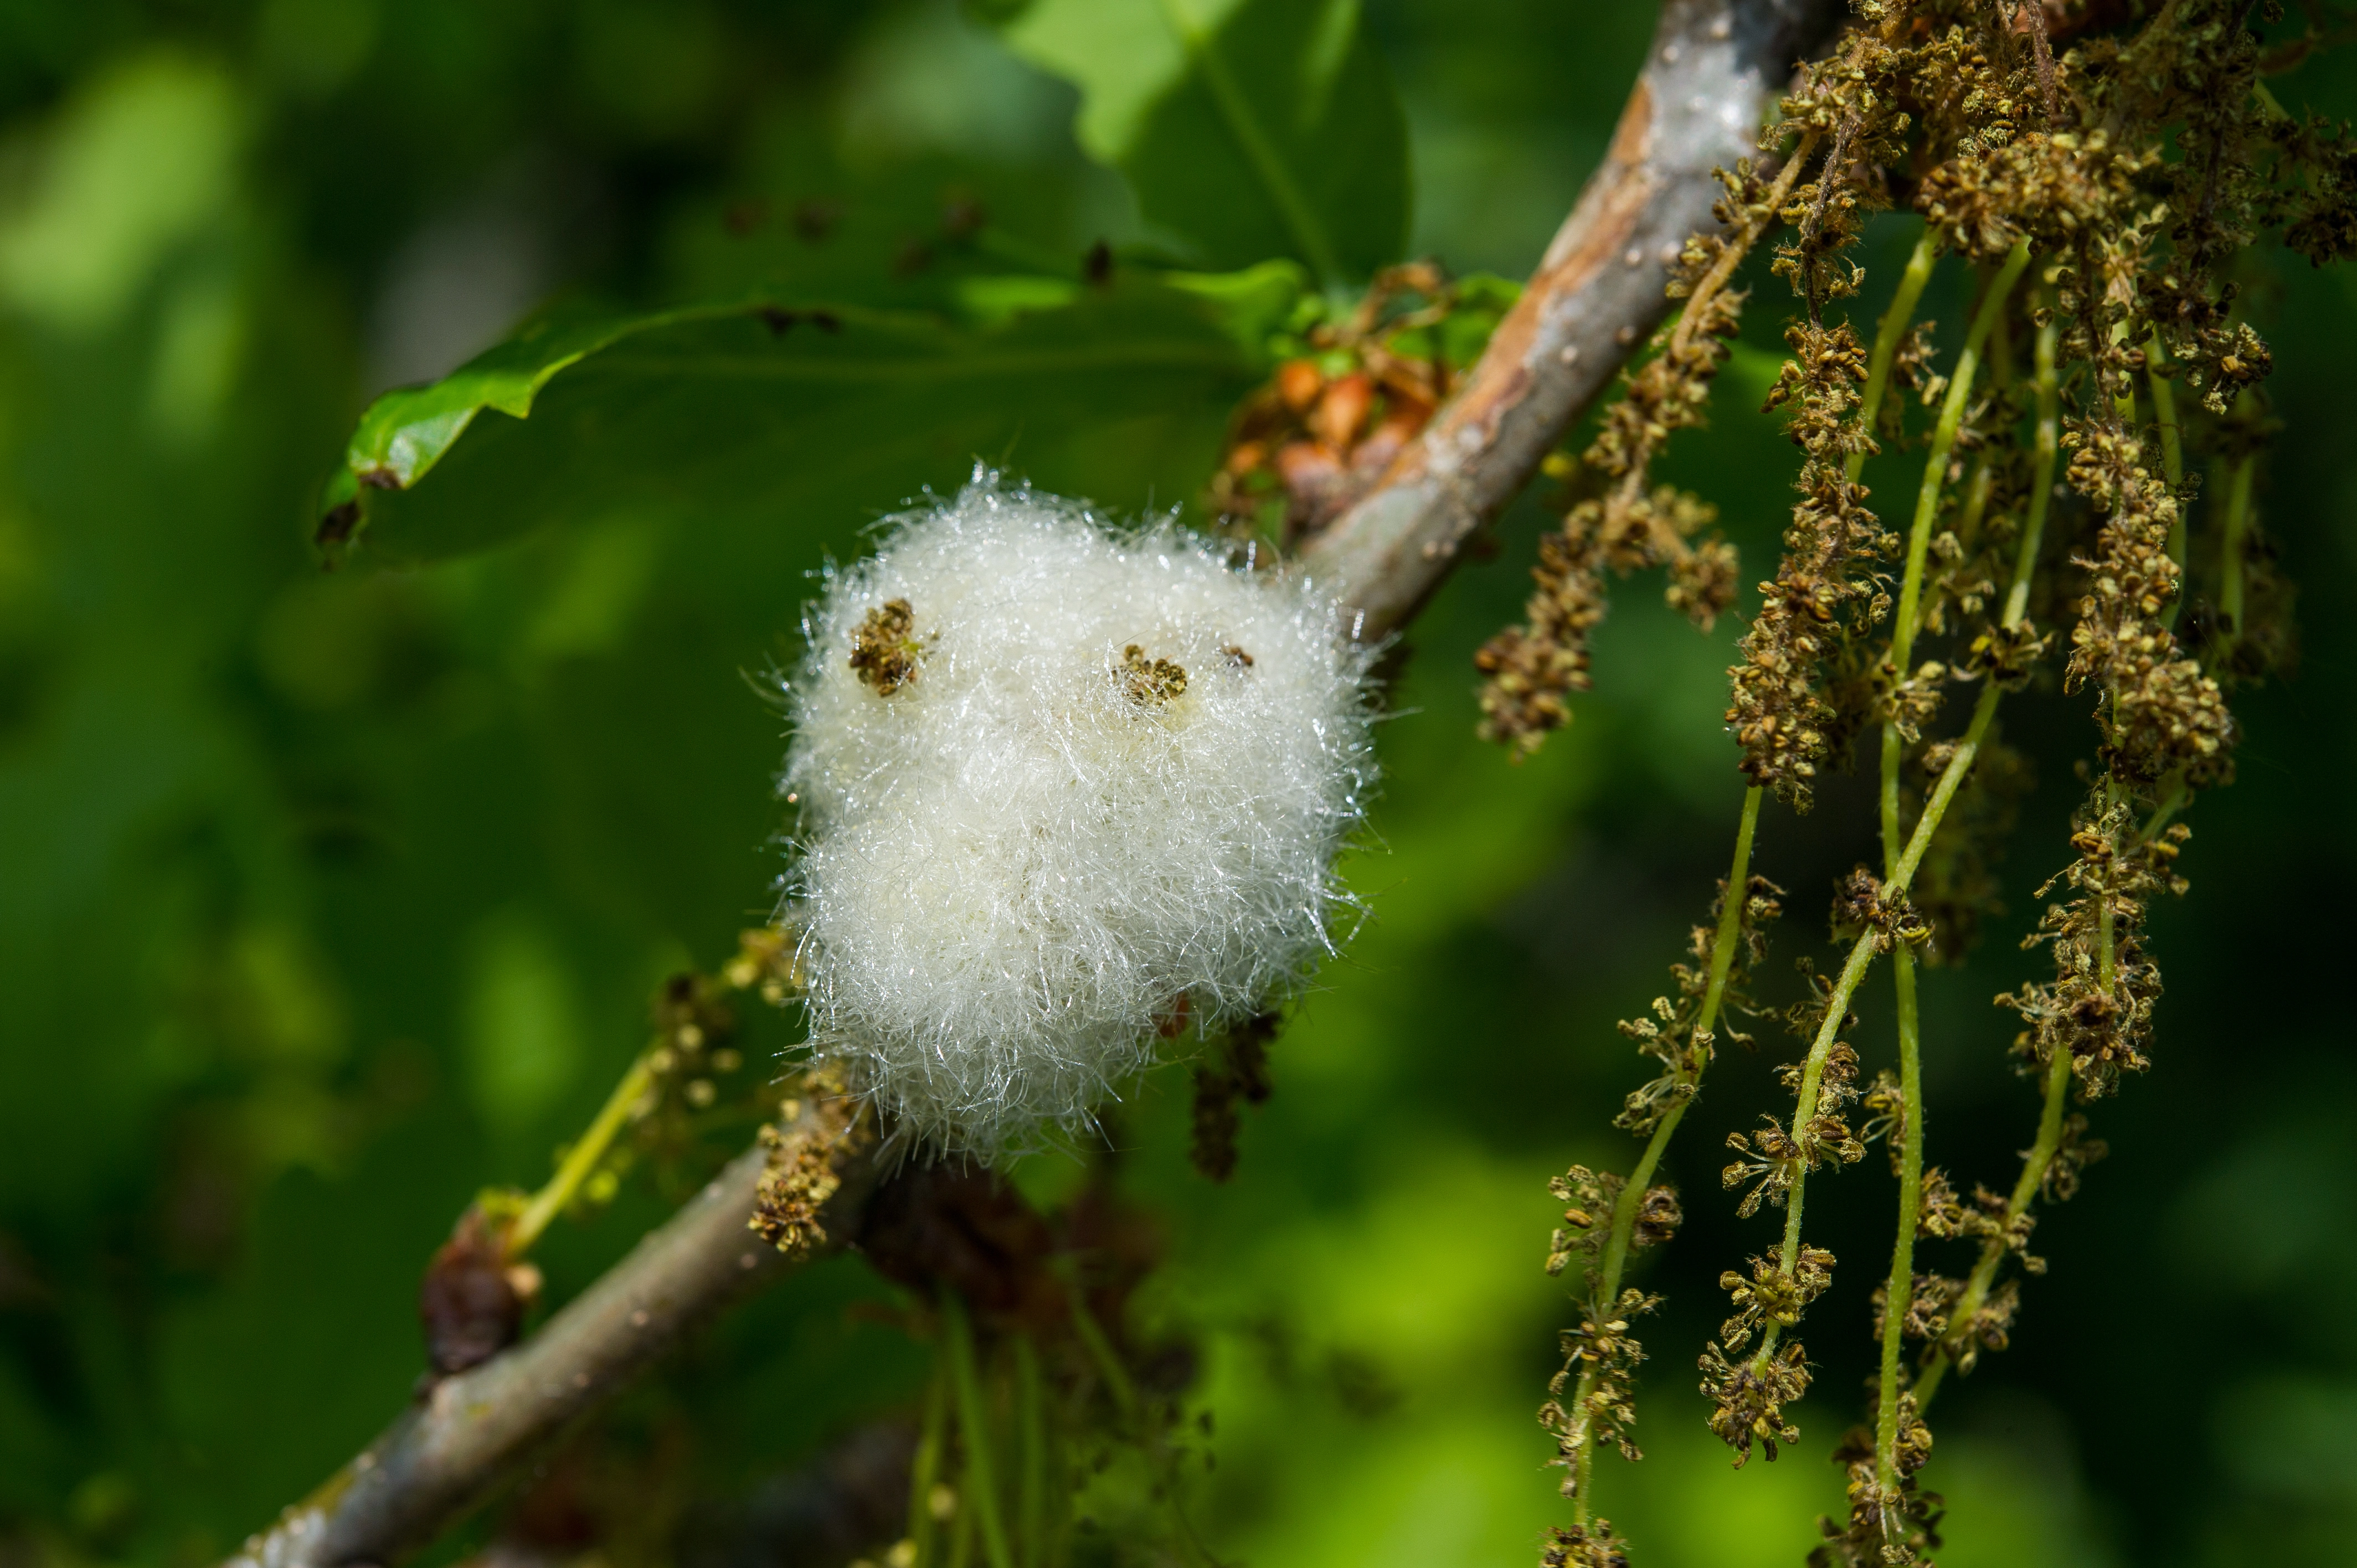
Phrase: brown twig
pixel 466 1436
pixel 1712 69
pixel 1710 74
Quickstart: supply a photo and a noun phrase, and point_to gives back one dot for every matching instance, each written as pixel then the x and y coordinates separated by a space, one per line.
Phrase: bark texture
pixel 1713 71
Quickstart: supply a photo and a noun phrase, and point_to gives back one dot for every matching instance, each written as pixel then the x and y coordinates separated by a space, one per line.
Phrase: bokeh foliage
pixel 328 898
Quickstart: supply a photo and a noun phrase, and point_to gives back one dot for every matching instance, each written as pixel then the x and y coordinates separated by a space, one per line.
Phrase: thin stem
pixel 1133 1412
pixel 2041 480
pixel 2124 407
pixel 1899 868
pixel 1901 1291
pixel 2231 547
pixel 2172 461
pixel 1030 1457
pixel 1109 1367
pixel 1722 958
pixel 962 1537
pixel 2033 1174
pixel 1300 218
pixel 1935 468
pixel 2049 1136
pixel 981 1489
pixel 582 1158
pixel 1893 749
pixel 1887 334
pixel 2035 1164
pixel 1624 1209
pixel 925 1469
pixel 2164 412
pixel 2107 954
pixel 1943 440
pixel 2173 794
pixel 1861 956
pixel 1977 495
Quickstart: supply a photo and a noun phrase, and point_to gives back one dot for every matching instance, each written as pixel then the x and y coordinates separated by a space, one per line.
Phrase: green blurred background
pixel 326 900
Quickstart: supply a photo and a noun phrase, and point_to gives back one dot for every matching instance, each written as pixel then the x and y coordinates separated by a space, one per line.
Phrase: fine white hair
pixel 1036 850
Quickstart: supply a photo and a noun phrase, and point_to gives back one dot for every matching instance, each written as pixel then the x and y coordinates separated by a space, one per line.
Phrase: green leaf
pixel 756 411
pixel 1249 128
pixel 405 433
pixel 1255 302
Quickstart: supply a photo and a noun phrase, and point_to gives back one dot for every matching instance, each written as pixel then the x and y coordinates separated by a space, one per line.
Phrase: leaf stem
pixel 2033 1174
pixel 925 1469
pixel 1615 1258
pixel 1900 1292
pixel 1133 1412
pixel 981 1489
pixel 1900 1289
pixel 582 1158
pixel 1900 867
pixel 1030 1457
pixel 1943 440
pixel 2042 481
pixel 1887 334
pixel 2058 1071
pixel 1308 233
pixel 2231 547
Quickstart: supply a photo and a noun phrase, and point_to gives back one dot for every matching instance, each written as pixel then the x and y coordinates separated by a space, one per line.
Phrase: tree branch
pixel 1712 70
pixel 468 1435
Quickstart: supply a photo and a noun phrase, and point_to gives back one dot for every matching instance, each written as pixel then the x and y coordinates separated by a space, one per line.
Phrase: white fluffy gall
pixel 1064 791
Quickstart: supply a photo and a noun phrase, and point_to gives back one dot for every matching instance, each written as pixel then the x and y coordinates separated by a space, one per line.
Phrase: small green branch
pixel 1614 1256
pixel 1309 232
pixel 1853 970
pixel 1109 1367
pixel 2124 403
pixel 2041 483
pixel 1943 440
pixel 582 1159
pixel 925 1469
pixel 2173 795
pixel 2231 545
pixel 2041 1158
pixel 1975 505
pixel 1901 1290
pixel 2172 433
pixel 980 1492
pixel 1722 960
pixel 1030 1457
pixel 1887 335
pixel 2172 460
pixel 2034 1166
pixel 1900 867
pixel 1133 1414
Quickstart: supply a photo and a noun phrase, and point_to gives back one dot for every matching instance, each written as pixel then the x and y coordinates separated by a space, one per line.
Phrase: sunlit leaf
pixel 1248 129
pixel 143 161
pixel 749 411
